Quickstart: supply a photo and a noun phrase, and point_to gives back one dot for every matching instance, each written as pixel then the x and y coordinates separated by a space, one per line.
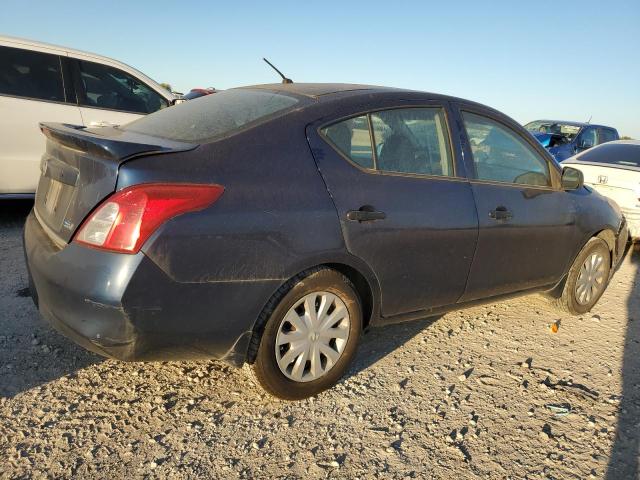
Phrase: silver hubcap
pixel 312 336
pixel 590 279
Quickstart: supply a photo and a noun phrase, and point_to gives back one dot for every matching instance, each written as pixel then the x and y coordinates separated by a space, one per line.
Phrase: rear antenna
pixel 284 79
pixel 589 121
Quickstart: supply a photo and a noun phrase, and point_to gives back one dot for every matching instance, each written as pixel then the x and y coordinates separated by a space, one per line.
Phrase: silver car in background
pixel 47 83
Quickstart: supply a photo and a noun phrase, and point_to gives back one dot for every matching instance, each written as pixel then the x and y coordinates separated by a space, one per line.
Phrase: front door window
pixel 501 155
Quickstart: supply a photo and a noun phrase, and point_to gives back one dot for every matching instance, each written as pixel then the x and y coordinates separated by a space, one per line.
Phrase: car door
pixel 109 96
pixel 32 90
pixel 527 233
pixel 403 201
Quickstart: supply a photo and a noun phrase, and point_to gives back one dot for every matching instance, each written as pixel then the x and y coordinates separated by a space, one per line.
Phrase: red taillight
pixel 127 219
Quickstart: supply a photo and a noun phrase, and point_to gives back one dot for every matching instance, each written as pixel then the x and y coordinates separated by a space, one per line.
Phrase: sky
pixel 570 60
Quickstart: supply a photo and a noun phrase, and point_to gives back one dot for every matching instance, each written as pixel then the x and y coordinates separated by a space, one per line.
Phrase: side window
pixel 412 140
pixel 109 88
pixel 409 140
pixel 587 138
pixel 29 74
pixel 501 155
pixel 352 138
pixel 606 135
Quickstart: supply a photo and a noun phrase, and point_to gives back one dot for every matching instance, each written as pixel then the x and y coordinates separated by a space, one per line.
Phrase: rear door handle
pixel 500 213
pixel 366 213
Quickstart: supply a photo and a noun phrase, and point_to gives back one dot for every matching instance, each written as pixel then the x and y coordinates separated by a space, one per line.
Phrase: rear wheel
pixel 310 337
pixel 587 279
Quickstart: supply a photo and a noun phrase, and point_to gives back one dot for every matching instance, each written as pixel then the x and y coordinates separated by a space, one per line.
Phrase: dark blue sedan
pixel 273 224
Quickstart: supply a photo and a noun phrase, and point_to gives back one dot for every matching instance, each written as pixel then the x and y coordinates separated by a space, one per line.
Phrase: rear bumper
pixel 125 307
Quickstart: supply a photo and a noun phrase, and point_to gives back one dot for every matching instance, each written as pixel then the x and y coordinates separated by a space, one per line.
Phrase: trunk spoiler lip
pixel 115 145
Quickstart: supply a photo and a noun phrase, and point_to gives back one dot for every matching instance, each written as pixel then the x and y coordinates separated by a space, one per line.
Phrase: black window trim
pixel 554 179
pixel 37 99
pixel 80 91
pixel 375 170
pixel 67 81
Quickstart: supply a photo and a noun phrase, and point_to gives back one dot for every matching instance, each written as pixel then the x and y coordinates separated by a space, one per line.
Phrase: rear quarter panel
pixel 274 219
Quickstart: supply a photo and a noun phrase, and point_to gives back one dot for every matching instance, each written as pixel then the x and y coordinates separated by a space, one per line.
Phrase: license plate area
pixel 52 196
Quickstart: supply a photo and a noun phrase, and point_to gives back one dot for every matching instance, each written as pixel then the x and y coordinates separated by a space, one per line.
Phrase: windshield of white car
pixel 621 154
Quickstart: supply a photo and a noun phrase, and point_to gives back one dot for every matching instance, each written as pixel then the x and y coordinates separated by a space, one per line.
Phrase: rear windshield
pixel 622 154
pixel 213 116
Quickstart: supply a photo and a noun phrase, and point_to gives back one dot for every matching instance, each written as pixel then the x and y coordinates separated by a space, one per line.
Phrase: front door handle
pixel 500 213
pixel 366 213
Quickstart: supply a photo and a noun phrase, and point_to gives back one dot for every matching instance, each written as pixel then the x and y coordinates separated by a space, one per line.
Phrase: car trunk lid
pixel 80 168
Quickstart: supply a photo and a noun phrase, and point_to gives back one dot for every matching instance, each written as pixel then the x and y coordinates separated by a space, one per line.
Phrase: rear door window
pixel 409 140
pixel 29 74
pixel 109 88
pixel 502 155
pixel 412 140
pixel 351 137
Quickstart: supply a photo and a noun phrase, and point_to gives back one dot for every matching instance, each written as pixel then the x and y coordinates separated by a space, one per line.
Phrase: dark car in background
pixel 198 92
pixel 272 224
pixel 565 139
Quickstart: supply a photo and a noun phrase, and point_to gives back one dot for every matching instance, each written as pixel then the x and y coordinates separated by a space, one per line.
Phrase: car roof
pixel 320 93
pixel 317 90
pixel 332 91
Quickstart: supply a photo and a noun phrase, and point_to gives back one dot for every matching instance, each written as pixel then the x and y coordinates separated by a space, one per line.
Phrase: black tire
pixel 265 368
pixel 567 300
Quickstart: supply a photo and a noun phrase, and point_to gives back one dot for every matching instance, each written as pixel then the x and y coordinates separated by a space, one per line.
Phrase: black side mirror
pixel 572 178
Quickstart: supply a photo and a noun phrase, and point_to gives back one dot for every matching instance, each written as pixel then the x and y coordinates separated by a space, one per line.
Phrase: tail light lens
pixel 126 219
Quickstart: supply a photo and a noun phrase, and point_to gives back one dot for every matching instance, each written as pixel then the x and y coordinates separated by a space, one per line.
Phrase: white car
pixel 613 169
pixel 40 82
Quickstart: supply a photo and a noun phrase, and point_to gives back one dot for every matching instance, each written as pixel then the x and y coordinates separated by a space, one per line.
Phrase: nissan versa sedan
pixel 272 224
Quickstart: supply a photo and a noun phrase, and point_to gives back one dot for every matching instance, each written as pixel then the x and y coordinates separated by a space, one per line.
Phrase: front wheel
pixel 310 337
pixel 587 278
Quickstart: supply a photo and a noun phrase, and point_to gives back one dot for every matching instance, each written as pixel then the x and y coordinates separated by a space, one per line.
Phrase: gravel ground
pixel 462 396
